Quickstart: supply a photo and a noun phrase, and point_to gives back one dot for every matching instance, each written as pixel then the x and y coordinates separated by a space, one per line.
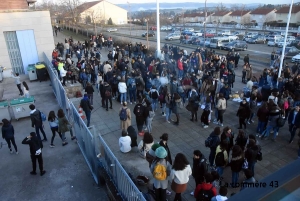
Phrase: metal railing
pixel 91 143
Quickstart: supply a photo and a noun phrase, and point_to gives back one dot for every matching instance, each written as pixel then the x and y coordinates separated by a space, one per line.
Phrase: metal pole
pixel 158 53
pixel 205 25
pixel 129 17
pixel 285 37
pixel 147 37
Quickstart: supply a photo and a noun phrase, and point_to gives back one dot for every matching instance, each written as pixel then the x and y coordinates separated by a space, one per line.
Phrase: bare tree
pixel 72 12
pixel 96 17
pixel 221 7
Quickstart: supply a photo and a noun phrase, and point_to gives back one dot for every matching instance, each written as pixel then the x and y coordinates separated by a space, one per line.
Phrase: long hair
pixel 147 138
pixel 180 162
pixel 25 85
pixel 51 116
pixel 60 113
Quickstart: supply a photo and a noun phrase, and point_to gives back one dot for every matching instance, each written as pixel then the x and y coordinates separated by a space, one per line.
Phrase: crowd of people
pixel 176 79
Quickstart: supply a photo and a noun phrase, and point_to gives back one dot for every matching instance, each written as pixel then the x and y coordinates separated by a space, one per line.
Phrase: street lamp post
pixel 285 37
pixel 158 51
pixel 147 35
pixel 205 24
pixel 129 16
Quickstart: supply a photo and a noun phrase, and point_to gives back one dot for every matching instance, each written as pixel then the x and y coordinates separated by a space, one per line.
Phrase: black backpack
pixel 280 121
pixel 138 81
pixel 205 195
pixel 139 111
pixel 154 95
pixel 220 159
pixel 209 141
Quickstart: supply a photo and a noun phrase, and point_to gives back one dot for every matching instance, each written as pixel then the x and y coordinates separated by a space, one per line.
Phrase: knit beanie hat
pixel 161 152
pixel 155 146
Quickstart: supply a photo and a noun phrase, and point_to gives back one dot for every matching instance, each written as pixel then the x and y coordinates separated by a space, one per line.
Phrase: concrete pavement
pixel 189 136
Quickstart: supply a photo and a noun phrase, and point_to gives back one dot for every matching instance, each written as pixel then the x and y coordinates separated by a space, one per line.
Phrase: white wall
pixel 38 21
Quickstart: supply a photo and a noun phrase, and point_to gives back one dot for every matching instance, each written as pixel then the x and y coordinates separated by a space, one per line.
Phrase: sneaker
pixel 17 152
pixel 163 114
pixel 11 151
pixel 168 121
pixel 121 103
pixel 168 192
pixel 221 125
pixel 131 103
pixel 43 172
pixel 52 145
pixel 216 122
pixel 33 173
pixel 192 193
pixel 134 102
pixel 252 121
pixel 248 122
pixel 64 144
pixel 145 128
pixel 73 138
pixel 206 126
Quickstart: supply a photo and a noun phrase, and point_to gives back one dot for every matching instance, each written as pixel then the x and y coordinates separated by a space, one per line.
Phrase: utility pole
pixel 158 51
pixel 147 35
pixel 205 24
pixel 129 16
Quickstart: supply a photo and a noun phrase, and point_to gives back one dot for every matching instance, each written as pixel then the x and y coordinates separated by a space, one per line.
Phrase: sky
pixel 200 1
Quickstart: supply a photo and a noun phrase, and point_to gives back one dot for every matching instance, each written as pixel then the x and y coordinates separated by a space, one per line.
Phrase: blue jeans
pixel 163 107
pixel 37 131
pixel 216 113
pixel 88 117
pixel 89 76
pixel 84 82
pixel 235 178
pixel 251 166
pixel 180 73
pixel 212 155
pixel 154 104
pixel 123 97
pixel 149 124
pixel 132 95
pixel 268 129
pixel 123 73
pixel 260 127
pixel 220 171
pixel 296 103
pixel 168 113
pixel 182 95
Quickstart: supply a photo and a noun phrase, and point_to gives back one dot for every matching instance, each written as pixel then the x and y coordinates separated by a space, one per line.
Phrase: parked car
pixel 189 33
pixel 163 28
pixel 189 29
pixel 258 39
pixel 172 37
pixel 289 52
pixel 239 33
pixel 236 45
pixel 112 30
pixel 296 59
pixel 153 28
pixel 275 37
pixel 225 32
pixel 281 42
pixel 150 34
pixel 272 42
pixel 197 33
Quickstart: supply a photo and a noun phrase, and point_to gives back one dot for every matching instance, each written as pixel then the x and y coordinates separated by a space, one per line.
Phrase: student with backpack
pixel 131 85
pixel 139 111
pixel 181 170
pixel 107 95
pixel 251 154
pixel 221 158
pixel 200 167
pixel 205 191
pixel 125 116
pixel 154 96
pixel 212 142
pixel 160 169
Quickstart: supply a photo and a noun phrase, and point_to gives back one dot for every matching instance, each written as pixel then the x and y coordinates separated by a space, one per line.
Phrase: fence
pixel 90 144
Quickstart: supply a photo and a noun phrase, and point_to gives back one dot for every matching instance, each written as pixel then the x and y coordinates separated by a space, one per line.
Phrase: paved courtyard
pixel 189 136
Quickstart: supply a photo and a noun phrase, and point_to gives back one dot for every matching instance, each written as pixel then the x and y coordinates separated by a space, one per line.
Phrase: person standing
pixel 26 89
pixel 35 147
pixel 160 180
pixel 8 133
pixel 181 170
pixel 122 90
pixel 17 82
pixel 125 116
pixel 221 158
pixel 199 167
pixel 251 154
pixel 214 142
pixel 64 126
pixel 36 121
pixel 294 122
pixel 53 123
pixel 236 163
pixel 164 143
pixel 107 95
pixel 139 111
pixel 131 85
pixel 149 114
pixel 87 108
pixel 145 144
pixel 221 106
pixel 90 91
pixel 205 189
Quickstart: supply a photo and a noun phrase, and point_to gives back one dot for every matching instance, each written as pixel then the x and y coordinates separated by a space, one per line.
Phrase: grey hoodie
pixel 36 118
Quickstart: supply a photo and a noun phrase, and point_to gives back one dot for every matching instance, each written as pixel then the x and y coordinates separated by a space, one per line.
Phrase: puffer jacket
pixel 122 87
pixel 273 116
pixel 8 131
pixel 237 163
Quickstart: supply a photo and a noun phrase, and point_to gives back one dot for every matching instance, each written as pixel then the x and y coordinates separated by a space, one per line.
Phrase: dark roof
pixel 191 15
pixel 221 13
pixel 203 14
pixel 86 6
pixel 286 9
pixel 239 12
pixel 262 11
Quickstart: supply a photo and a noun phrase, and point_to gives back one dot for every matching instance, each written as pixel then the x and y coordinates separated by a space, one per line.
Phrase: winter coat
pixel 181 176
pixel 125 144
pixel 34 144
pixel 273 116
pixel 221 105
pixel 122 87
pixel 36 118
pixel 243 111
pixel 63 125
pixel 199 168
pixel 142 85
pixel 169 157
pixel 163 184
pixel 205 186
pixel 262 114
pixel 144 148
pixel 236 163
pixel 8 132
pixel 251 153
pixel 127 123
pixel 218 150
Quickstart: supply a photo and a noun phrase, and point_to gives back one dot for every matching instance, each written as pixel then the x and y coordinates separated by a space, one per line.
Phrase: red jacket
pixel 179 64
pixel 205 186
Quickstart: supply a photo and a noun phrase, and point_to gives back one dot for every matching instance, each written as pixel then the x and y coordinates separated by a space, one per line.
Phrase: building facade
pixel 24 35
pixel 282 14
pixel 221 17
pixel 101 11
pixel 263 15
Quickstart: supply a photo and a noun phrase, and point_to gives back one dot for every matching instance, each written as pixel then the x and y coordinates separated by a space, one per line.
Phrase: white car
pixel 197 33
pixel 281 42
pixel 163 28
pixel 189 29
pixel 272 42
pixel 112 30
pixel 296 59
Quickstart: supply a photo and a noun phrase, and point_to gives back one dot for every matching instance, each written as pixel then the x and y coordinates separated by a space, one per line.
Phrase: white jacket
pixel 63 72
pixel 124 143
pixel 122 87
pixel 181 176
